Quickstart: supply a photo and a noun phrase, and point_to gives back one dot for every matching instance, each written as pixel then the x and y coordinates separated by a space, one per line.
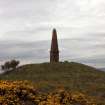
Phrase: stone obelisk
pixel 54 52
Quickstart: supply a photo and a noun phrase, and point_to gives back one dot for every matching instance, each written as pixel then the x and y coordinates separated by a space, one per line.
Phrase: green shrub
pixel 10 65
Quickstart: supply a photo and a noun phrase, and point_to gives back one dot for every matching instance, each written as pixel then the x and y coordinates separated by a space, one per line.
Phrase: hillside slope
pixel 73 76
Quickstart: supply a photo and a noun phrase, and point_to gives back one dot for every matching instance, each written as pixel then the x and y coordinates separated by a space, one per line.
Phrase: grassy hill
pixel 72 76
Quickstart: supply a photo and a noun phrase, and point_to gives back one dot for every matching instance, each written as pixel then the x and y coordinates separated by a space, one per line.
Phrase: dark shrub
pixel 10 65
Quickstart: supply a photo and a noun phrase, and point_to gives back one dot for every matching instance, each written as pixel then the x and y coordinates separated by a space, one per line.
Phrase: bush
pixel 14 64
pixel 66 61
pixel 26 93
pixel 10 65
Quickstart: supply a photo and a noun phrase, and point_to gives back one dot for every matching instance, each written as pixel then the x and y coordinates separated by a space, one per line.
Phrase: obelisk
pixel 54 52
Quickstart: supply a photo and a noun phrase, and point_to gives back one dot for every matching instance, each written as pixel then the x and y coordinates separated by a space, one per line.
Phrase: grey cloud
pixel 23 22
pixel 34 52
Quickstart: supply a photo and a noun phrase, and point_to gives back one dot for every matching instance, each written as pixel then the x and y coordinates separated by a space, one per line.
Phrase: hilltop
pixel 72 76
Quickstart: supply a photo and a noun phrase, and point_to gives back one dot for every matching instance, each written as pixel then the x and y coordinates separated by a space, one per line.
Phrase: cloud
pixel 28 21
pixel 78 50
pixel 79 17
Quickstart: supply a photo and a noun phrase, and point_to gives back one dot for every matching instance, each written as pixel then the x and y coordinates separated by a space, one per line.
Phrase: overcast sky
pixel 80 21
pixel 34 19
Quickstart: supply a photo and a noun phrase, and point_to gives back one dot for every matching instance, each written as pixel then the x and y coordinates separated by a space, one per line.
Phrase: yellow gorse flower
pixel 25 93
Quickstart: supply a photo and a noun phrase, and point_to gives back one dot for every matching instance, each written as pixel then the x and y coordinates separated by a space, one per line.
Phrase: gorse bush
pixel 26 93
pixel 16 93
